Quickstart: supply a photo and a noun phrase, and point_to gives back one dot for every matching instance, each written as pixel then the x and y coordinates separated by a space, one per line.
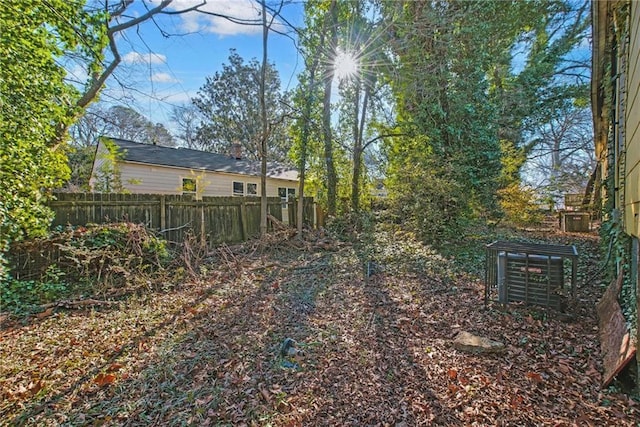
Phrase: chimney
pixel 236 150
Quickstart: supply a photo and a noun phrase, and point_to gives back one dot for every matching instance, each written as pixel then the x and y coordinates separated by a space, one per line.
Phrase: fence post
pixel 203 234
pixel 163 213
pixel 243 219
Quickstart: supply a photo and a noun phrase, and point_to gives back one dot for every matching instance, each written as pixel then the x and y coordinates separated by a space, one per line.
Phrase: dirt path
pixel 375 350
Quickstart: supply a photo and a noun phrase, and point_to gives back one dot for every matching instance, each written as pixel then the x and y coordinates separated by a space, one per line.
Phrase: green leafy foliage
pixel 519 206
pixel 81 164
pixel 616 244
pixel 457 152
pixel 36 104
pixel 25 296
pixel 465 106
pixel 230 113
pixel 424 195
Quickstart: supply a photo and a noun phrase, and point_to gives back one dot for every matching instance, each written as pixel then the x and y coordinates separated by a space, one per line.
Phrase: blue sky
pixel 160 72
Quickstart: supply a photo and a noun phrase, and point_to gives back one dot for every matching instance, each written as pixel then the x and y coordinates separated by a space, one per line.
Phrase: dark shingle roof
pixel 198 160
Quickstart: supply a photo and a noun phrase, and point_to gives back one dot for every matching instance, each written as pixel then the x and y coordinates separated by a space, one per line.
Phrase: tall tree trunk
pixel 265 126
pixel 358 147
pixel 332 180
pixel 304 140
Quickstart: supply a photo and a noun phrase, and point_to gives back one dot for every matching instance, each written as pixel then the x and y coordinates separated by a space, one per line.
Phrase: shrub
pixel 437 209
pixel 108 259
pixel 23 296
pixel 519 206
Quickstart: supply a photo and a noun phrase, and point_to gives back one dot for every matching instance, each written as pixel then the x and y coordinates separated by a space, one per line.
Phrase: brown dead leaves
pixel 376 351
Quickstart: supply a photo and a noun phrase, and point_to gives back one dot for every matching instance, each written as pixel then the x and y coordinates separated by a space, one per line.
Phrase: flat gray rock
pixel 470 343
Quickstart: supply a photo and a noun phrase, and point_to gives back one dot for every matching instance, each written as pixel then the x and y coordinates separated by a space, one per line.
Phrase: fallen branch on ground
pixel 77 303
pixel 277 224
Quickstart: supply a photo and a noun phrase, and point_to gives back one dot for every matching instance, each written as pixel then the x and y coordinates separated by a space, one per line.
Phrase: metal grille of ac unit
pixel 530 273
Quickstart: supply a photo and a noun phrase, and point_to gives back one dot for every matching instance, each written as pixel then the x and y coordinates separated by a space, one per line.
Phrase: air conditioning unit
pixel 532 279
pixel 529 273
pixel 575 221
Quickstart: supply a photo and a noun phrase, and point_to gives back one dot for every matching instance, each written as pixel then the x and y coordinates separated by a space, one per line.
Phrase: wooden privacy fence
pixel 214 219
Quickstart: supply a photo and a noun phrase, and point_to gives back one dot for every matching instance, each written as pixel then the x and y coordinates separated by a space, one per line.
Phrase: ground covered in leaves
pixel 374 346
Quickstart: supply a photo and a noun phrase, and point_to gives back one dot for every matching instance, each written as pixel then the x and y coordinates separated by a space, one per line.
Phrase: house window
pixel 282 192
pixel 238 188
pixel 286 194
pixel 189 186
pixel 252 189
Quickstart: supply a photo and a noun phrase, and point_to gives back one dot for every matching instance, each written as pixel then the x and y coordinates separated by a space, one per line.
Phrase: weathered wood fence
pixel 214 219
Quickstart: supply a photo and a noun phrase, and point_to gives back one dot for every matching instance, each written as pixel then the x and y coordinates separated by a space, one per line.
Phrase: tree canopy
pixel 460 98
pixel 230 111
pixel 36 103
pixel 117 121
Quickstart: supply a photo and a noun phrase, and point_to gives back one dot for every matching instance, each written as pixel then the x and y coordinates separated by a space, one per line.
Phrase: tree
pixel 305 97
pixel 562 159
pixel 37 105
pixel 100 55
pixel 231 115
pixel 362 88
pixel 126 123
pixel 89 127
pixel 264 134
pixel 313 143
pixel 328 72
pixel 80 160
pixel 82 146
pixel 118 122
pixel 157 134
pixel 187 119
pixel 450 117
pixel 337 35
pixel 474 75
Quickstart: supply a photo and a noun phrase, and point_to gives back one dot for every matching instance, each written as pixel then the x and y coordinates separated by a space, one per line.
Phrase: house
pixel 126 166
pixel 616 105
pixel 615 95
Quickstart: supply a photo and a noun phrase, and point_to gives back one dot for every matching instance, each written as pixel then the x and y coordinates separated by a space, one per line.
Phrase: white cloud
pixel 144 58
pixel 163 78
pixel 76 73
pixel 241 10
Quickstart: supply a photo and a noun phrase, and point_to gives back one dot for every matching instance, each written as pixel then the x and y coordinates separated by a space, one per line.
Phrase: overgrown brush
pixel 107 260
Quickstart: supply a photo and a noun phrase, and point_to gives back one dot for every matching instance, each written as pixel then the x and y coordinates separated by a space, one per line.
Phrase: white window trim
pixel 195 181
pixel 233 189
